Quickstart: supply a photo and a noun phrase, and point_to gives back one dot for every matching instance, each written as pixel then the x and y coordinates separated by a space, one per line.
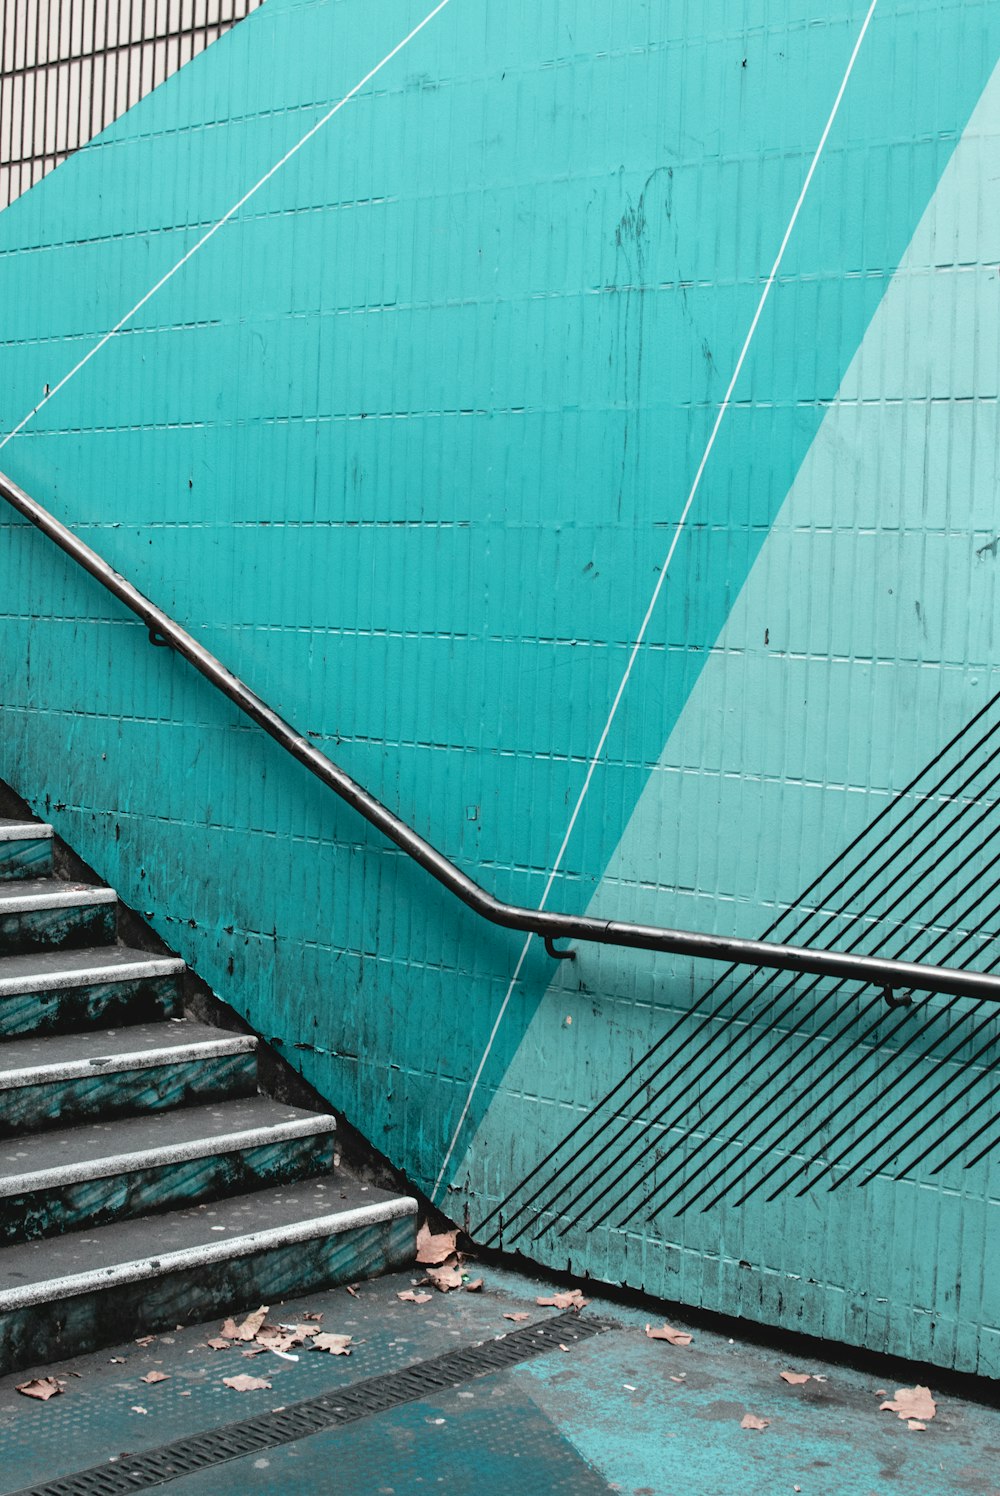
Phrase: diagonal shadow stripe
pixel 912 815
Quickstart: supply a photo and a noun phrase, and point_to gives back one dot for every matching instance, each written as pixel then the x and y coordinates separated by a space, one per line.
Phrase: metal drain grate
pixel 234 1441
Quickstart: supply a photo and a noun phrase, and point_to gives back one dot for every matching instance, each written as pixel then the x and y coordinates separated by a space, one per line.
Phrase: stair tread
pixel 48 893
pixel 73 968
pixel 98 1253
pixel 17 830
pixel 99 1149
pixel 41 1058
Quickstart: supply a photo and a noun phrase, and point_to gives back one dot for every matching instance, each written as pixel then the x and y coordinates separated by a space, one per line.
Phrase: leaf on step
pixel 146 1340
pixel 313 1315
pixel 155 1376
pixel 435 1249
pixel 911 1403
pixel 216 1344
pixel 136 1409
pixel 750 1420
pixel 337 1345
pixel 474 1286
pixel 571 1299
pixel 517 1318
pixel 409 1297
pixel 352 1289
pixel 675 1337
pixel 254 1350
pixel 794 1378
pixel 248 1329
pixel 41 1388
pixel 914 1423
pixel 243 1383
pixel 445 1278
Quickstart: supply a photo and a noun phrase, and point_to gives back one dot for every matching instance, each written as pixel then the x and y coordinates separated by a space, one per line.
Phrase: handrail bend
pixel 886 974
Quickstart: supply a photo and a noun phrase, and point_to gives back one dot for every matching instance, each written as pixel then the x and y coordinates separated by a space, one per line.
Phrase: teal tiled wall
pixel 407 442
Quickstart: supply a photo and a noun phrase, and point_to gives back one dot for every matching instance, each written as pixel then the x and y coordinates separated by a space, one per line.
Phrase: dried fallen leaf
pixel 313 1315
pixel 750 1420
pixel 914 1423
pixel 474 1286
pixel 794 1378
pixel 137 1409
pixel 409 1297
pixel 116 1361
pixel 675 1337
pixel 517 1318
pixel 445 1278
pixel 146 1340
pixel 248 1329
pixel 435 1249
pixel 218 1344
pixel 41 1388
pixel 571 1299
pixel 911 1402
pixel 352 1290
pixel 337 1345
pixel 243 1383
pixel 155 1376
pixel 254 1350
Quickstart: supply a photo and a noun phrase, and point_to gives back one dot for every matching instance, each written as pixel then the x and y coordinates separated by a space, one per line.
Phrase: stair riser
pixel 50 1332
pixel 57 929
pixel 124 1093
pixel 26 859
pixel 99 1202
pixel 97 1005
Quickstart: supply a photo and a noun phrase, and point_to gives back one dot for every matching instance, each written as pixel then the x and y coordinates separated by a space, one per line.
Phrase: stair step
pixel 41 914
pixel 25 849
pixel 59 1080
pixel 59 991
pixel 53 1182
pixel 87 1289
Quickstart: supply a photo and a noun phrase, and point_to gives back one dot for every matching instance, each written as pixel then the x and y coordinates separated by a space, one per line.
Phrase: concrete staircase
pixel 144 1181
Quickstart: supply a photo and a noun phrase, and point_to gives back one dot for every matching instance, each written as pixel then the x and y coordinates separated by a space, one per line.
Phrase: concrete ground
pixel 616 1411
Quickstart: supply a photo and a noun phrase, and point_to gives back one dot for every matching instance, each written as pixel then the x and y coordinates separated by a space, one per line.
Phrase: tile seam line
pixel 661 578
pixel 226 217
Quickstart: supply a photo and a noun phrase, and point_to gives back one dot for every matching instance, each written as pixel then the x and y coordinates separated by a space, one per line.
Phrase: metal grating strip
pixel 142 1472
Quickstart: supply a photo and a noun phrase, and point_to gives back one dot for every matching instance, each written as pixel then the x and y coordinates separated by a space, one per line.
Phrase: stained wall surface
pixel 575 326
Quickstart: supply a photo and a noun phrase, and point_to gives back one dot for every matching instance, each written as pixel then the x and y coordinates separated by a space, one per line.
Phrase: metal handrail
pixel 889 975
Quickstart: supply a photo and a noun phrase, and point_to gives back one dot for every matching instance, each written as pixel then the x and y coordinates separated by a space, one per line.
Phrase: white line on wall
pixel 640 636
pixel 230 213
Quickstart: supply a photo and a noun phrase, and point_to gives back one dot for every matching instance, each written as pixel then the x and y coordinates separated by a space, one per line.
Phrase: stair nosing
pixel 140 1059
pixel 62 896
pixel 55 981
pixel 334 1224
pixel 316 1124
pixel 25 831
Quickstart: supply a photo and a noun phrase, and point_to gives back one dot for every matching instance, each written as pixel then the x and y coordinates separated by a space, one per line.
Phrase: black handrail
pixel 888 975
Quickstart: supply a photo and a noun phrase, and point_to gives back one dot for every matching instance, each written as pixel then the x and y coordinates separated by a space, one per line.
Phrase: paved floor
pixel 614 1412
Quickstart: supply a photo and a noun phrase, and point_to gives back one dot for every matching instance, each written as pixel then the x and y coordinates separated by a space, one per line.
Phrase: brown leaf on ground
pixel 352 1289
pixel 517 1318
pixel 146 1340
pixel 337 1345
pixel 155 1376
pixel 675 1337
pixel 794 1378
pixel 433 1249
pixel 911 1402
pixel 571 1299
pixel 248 1329
pixel 254 1350
pixel 474 1286
pixel 914 1423
pixel 243 1383
pixel 409 1297
pixel 445 1278
pixel 41 1388
pixel 217 1343
pixel 750 1420
pixel 314 1316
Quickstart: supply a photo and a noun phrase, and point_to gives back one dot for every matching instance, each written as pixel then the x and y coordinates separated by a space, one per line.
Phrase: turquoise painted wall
pixel 407 442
